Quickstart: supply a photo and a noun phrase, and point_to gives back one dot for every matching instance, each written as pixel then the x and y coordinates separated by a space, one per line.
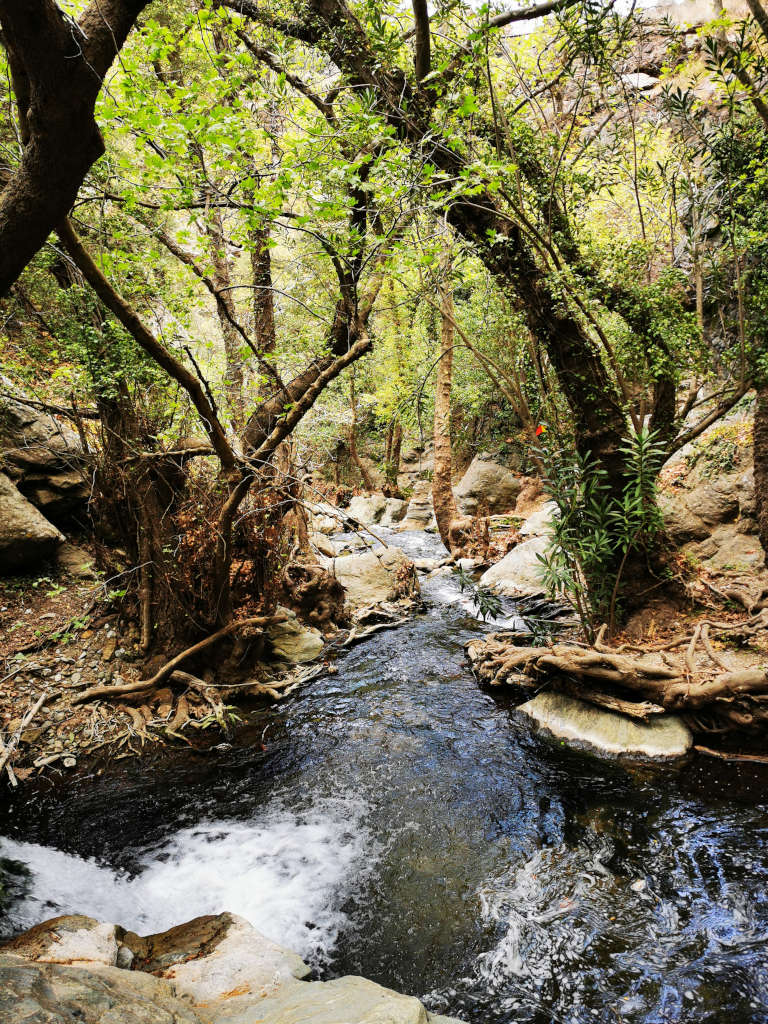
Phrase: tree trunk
pixel 57 68
pixel 234 376
pixel 446 512
pixel 760 462
pixel 368 483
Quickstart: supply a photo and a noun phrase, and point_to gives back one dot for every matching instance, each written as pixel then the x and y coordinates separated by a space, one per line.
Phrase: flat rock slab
pixel 212 970
pixel 348 1000
pixel 582 725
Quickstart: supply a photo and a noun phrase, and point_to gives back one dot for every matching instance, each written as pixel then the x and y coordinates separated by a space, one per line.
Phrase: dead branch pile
pixel 686 676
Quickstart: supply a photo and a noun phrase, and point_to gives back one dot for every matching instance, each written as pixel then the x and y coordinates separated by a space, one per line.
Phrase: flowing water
pixel 395 821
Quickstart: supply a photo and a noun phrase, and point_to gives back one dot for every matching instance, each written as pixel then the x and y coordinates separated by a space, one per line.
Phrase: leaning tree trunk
pixel 760 462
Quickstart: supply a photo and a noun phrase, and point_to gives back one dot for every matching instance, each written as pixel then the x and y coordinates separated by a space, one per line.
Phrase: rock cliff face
pixel 213 970
pixel 26 536
pixel 45 460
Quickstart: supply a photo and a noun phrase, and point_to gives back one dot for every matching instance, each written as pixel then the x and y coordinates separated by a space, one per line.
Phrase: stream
pixel 394 820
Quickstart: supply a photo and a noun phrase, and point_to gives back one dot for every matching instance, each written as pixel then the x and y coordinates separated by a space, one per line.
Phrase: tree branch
pixel 147 341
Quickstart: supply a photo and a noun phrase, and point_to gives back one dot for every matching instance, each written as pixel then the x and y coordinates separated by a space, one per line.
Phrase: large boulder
pixel 729 551
pixel 376 510
pixel 213 970
pixel 582 725
pixel 325 518
pixel 519 573
pixel 45 460
pixel 416 464
pixel 26 536
pixel 420 513
pixel 487 485
pixel 376 576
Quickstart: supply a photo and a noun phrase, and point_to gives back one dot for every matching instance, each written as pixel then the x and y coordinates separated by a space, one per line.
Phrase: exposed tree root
pixel 147 685
pixel 694 681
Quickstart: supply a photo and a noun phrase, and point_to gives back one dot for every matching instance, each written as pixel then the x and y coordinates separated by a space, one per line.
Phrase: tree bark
pixel 57 70
pixel 368 483
pixel 234 377
pixel 760 462
pixel 443 499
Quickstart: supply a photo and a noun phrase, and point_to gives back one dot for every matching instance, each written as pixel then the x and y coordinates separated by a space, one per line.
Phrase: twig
pixel 725 756
pixel 10 747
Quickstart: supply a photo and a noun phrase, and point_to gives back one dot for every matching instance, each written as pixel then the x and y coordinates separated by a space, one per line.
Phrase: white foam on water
pixel 287 872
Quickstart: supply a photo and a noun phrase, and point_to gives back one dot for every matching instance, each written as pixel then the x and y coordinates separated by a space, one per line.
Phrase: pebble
pixel 638 885
pixel 69 762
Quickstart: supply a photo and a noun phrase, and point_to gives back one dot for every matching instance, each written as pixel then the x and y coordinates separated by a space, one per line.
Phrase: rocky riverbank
pixel 211 970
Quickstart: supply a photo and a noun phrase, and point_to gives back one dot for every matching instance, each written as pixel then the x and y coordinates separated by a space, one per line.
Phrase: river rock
pixel 487 485
pixel 539 523
pixel 586 726
pixel 376 576
pixel 41 993
pixel 26 536
pixel 293 642
pixel 420 513
pixel 75 561
pixel 325 518
pixel 212 970
pixel 520 571
pixel 376 510
pixel 44 458
pixel 322 544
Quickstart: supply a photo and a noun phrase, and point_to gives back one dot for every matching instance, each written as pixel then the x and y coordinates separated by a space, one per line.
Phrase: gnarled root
pixel 636 682
pixel 147 685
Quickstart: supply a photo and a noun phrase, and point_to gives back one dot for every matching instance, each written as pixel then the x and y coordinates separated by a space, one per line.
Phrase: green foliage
pixel 595 531
pixel 486 601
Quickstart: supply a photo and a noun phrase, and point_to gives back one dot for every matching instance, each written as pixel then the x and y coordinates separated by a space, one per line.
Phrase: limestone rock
pixel 75 561
pixel 72 938
pixel 415 465
pixel 728 549
pixel 639 81
pixel 322 544
pixel 376 576
pixel 680 522
pixel 325 518
pixel 539 523
pixel 26 536
pixel 519 571
pixel 44 993
pixel 212 970
pixel 376 510
pixel 349 1000
pixel 218 957
pixel 583 725
pixel 293 642
pixel 420 514
pixel 486 484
